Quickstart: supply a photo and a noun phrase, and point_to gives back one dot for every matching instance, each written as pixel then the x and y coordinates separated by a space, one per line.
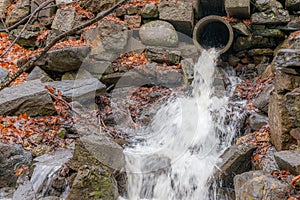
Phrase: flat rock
pixel 64 19
pixel 276 33
pixel 244 43
pixel 289 160
pixel 11 158
pixel 159 33
pixel 260 52
pixel 30 97
pixel 67 59
pixel 81 90
pixel 271 18
pixel 257 185
pixel 180 14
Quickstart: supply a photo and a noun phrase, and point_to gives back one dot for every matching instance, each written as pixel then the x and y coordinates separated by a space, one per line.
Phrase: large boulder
pixel 64 19
pixel 289 160
pixel 21 10
pixel 235 160
pixel 11 158
pixel 30 97
pixel 113 35
pixel 180 14
pixel 82 90
pixel 66 59
pixel 159 33
pixel 257 185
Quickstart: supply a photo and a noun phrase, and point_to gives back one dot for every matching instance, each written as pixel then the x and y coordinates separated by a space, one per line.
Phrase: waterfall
pixel 180 148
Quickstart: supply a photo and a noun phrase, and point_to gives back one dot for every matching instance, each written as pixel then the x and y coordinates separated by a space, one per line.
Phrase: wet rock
pixel 38 73
pixel 280 17
pixel 50 198
pixel 187 66
pixel 21 10
pixel 95 150
pixel 235 160
pixel 262 101
pixel 113 35
pixel 244 43
pixel 25 192
pixel 4 4
pixel 292 5
pixel 242 29
pixel 189 51
pixel 67 59
pixel 11 158
pixel 237 8
pixel 7 192
pixel 161 55
pixel 93 182
pixel 276 33
pixel 180 14
pixel 288 61
pixel 30 97
pixel 149 11
pixel 159 33
pixel 233 60
pixel 256 121
pixel 82 90
pixel 264 5
pixel 64 19
pixel 289 160
pixel 97 6
pixel 3 73
pixel 257 185
pixel 28 37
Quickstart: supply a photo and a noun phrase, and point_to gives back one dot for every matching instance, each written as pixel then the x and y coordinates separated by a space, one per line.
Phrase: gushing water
pixel 182 145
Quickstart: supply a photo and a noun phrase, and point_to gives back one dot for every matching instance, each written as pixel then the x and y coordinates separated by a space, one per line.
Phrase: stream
pixel 182 145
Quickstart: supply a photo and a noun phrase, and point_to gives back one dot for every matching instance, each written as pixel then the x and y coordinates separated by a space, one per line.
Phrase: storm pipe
pixel 213 32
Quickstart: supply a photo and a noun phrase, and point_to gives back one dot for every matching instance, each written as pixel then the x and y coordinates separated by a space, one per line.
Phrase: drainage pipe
pixel 213 32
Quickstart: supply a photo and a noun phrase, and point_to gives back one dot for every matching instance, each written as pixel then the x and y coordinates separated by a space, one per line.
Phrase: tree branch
pixel 30 63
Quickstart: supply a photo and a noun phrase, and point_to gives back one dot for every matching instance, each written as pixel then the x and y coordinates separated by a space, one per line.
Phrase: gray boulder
pixel 256 121
pixel 235 160
pixel 67 59
pixel 262 101
pixel 64 20
pixel 113 35
pixel 82 90
pixel 30 97
pixel 21 10
pixel 11 158
pixel 38 74
pixel 180 14
pixel 159 33
pixel 289 160
pixel 257 185
pixel 3 73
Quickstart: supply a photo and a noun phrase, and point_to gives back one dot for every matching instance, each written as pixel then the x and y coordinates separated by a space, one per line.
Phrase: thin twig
pixel 5 28
pixel 30 63
pixel 23 29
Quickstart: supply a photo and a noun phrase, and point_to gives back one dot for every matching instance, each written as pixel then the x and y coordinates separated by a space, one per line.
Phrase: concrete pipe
pixel 213 32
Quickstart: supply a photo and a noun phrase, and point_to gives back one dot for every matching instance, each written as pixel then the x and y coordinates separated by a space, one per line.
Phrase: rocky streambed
pixel 85 101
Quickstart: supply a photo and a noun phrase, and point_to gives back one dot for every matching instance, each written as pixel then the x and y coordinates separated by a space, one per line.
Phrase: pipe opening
pixel 213 32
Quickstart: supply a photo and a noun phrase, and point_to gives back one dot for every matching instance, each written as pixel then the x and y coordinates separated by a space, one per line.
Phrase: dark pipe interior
pixel 213 34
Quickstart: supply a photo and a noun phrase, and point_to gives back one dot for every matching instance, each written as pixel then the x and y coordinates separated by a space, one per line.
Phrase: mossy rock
pixel 93 182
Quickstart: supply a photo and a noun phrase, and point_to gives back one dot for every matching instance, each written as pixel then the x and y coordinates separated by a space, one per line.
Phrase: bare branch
pixel 30 63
